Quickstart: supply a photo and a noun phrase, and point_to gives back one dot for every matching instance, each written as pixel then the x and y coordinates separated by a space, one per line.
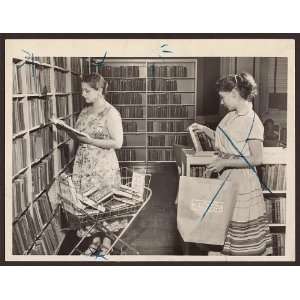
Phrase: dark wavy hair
pixel 96 81
pixel 243 82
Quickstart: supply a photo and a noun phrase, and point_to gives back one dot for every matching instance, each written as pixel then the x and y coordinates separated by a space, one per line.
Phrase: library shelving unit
pixel 42 87
pixel 272 174
pixel 157 102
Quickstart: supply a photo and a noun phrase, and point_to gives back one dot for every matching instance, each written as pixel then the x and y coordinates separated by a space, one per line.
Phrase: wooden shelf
pixel 19 95
pixel 163 92
pixel 61 69
pixel 39 95
pixel 144 92
pixel 167 132
pixel 274 192
pixel 277 225
pixel 19 173
pixel 155 105
pixel 134 133
pixel 20 133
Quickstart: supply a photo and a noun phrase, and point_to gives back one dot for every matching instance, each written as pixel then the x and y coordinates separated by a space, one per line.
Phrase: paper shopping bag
pixel 205 208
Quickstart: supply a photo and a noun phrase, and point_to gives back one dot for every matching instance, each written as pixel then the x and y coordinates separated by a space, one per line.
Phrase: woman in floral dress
pixel 239 140
pixel 96 163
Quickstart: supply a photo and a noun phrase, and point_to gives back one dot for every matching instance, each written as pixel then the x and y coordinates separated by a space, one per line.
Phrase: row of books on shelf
pixel 126 84
pixel 153 155
pixel 131 112
pixel 64 156
pixel 17 79
pixel 86 66
pixel 125 98
pixel 42 175
pixel 41 142
pixel 37 79
pixel 62 106
pixel 170 112
pixel 197 171
pixel 50 240
pixel 75 65
pixel 122 71
pixel 167 71
pixel 43 59
pixel 18 116
pixel 164 99
pixel 62 134
pixel 60 62
pixel 274 176
pixel 31 224
pixel 40 111
pixel 78 103
pixel 278 243
pixel 19 195
pixel 276 209
pixel 162 85
pixel 168 126
pixel 60 81
pixel 126 154
pixel 161 155
pixel 76 83
pixel 19 155
pixel 167 140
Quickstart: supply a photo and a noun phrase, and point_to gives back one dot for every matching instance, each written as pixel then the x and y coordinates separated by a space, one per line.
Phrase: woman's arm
pixel 255 158
pixel 115 129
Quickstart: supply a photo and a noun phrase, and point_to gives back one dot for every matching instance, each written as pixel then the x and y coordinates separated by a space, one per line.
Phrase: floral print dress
pixel 94 166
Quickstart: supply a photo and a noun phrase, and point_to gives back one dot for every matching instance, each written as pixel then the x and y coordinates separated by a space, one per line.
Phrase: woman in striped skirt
pixel 239 139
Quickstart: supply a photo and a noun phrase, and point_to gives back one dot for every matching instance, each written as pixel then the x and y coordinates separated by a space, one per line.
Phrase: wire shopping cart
pixel 110 216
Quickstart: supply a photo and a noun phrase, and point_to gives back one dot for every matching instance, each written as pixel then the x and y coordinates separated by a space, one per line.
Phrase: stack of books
pixel 275 207
pixel 274 177
pixel 18 116
pixel 42 175
pixel 60 81
pixel 125 98
pixel 166 71
pixel 126 84
pixel 40 111
pixel 20 195
pixel 62 106
pixel 41 142
pixel 19 154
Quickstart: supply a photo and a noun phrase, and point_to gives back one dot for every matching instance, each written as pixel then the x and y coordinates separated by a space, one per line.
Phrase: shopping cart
pixel 110 216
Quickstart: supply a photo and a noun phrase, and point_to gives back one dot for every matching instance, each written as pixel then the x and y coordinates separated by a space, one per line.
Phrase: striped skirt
pixel 249 232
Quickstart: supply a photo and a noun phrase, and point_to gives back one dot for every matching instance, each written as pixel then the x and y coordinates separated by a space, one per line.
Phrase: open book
pixel 201 141
pixel 65 126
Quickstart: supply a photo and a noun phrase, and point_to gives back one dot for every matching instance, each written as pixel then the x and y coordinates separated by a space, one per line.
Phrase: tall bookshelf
pixel 273 174
pixel 157 102
pixel 42 87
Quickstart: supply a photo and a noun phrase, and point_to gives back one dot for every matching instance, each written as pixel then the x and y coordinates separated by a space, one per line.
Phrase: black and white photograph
pixel 150 150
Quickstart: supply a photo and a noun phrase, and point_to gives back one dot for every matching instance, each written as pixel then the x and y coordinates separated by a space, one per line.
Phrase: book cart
pixel 109 217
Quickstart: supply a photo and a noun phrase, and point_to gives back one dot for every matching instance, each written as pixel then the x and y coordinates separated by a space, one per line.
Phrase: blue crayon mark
pixel 101 257
pixel 30 56
pixel 215 196
pixel 101 62
pixel 241 155
pixel 163 50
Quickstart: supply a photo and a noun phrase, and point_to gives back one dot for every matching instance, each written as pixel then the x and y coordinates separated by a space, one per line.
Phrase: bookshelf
pixel 272 173
pixel 157 102
pixel 42 87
